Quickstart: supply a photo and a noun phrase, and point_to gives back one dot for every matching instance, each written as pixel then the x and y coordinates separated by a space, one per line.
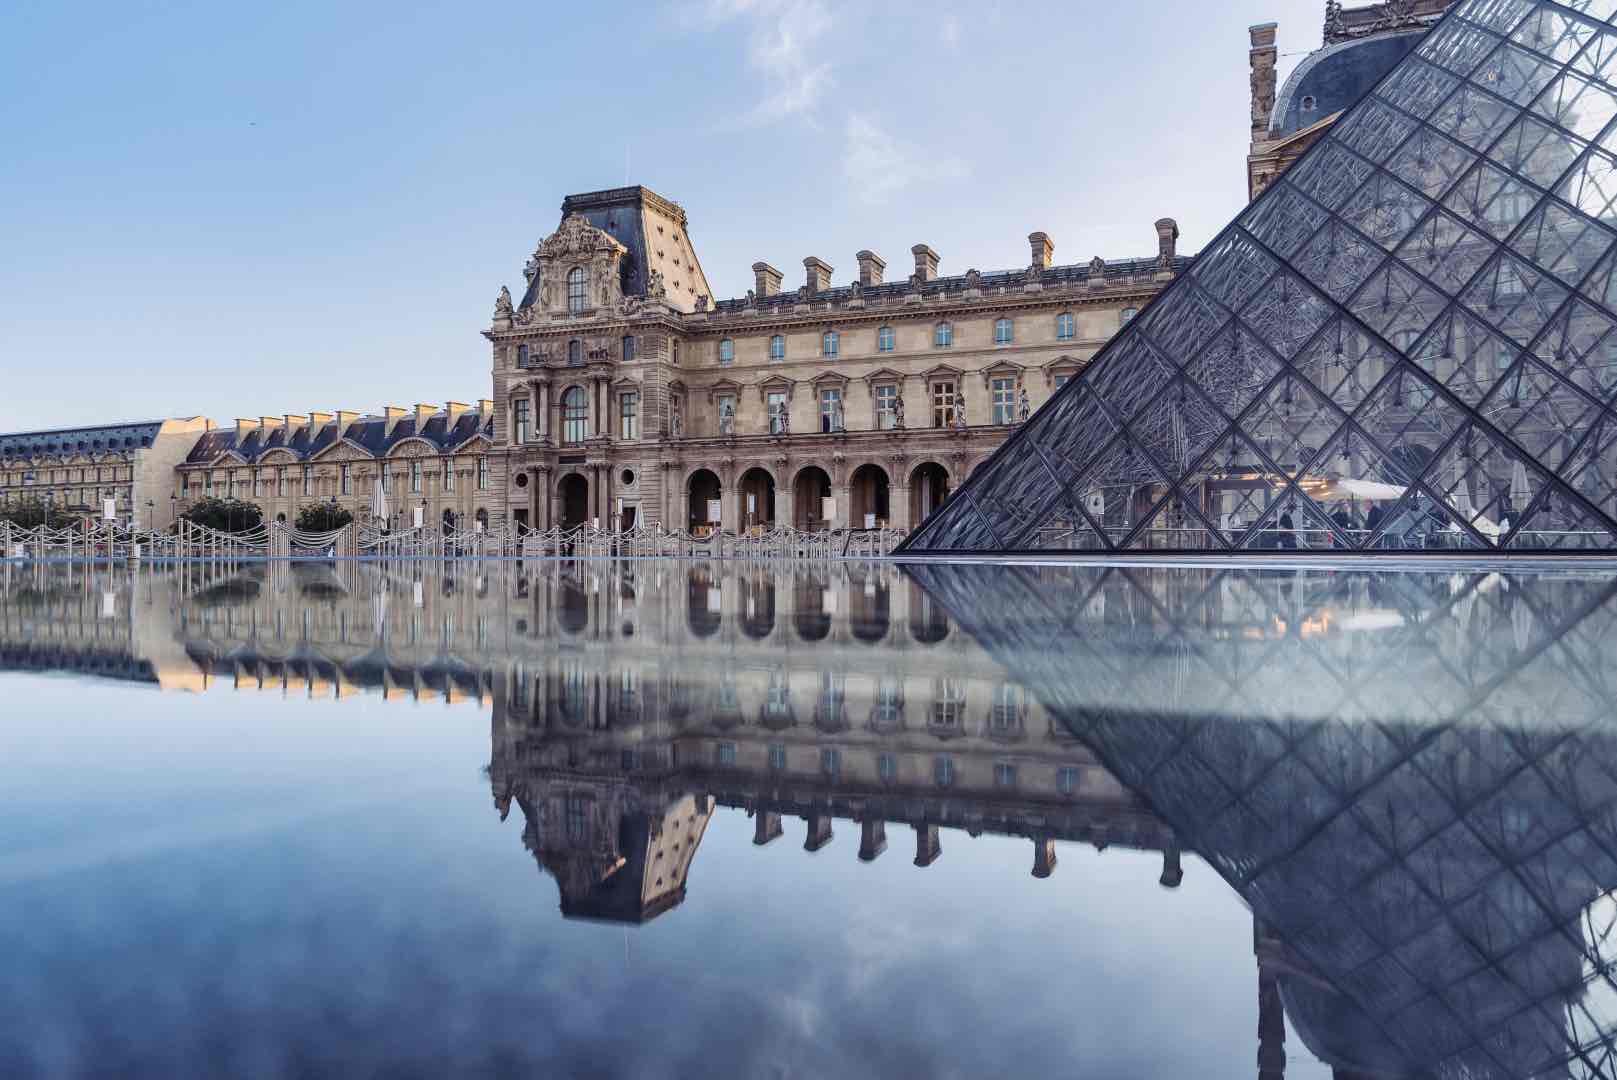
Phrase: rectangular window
pixel 1004 392
pixel 415 477
pixel 727 414
pixel 1061 380
pixel 830 410
pixel 348 480
pixel 942 404
pixel 449 476
pixel 1067 779
pixel 519 420
pixel 777 757
pixel 885 341
pixel 777 412
pixel 887 768
pixel 1004 774
pixel 577 818
pixel 943 771
pixel 628 348
pixel 831 762
pixel 629 415
pixel 308 480
pixel 482 474
pixel 886 407
pixel 726 755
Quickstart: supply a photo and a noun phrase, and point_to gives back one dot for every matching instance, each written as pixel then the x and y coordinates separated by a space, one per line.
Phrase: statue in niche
pixel 836 415
pixel 1023 411
pixel 727 417
pixel 960 411
pixel 502 306
pixel 783 419
pixel 898 412
pixel 603 282
pixel 676 418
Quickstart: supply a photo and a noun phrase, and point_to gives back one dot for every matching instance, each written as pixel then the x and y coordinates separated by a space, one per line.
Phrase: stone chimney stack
pixel 394 414
pixel 267 422
pixel 871 266
pixel 245 425
pixel 1167 238
pixel 456 410
pixel 1262 59
pixel 817 274
pixel 1044 250
pixel 766 279
pixel 318 420
pixel 486 407
pixel 423 413
pixel 926 262
pixel 293 420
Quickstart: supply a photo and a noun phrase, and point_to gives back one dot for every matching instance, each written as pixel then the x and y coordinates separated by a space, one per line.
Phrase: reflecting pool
pixel 713 819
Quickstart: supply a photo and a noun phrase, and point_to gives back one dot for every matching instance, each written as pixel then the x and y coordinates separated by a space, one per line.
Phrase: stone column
pixel 927 845
pixel 1172 873
pixel 898 506
pixel 1271 1028
pixel 542 420
pixel 765 828
pixel 843 496
pixel 533 412
pixel 872 839
pixel 1044 858
pixel 729 500
pixel 819 832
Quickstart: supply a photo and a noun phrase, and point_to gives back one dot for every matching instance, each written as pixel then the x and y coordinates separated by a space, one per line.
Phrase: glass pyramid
pixel 1407 342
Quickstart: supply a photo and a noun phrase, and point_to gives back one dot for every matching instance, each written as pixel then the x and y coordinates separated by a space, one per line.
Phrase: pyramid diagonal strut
pixel 1408 341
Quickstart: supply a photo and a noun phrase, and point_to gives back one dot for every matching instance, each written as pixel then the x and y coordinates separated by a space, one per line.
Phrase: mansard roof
pixel 61 441
pixel 367 433
pixel 1407 342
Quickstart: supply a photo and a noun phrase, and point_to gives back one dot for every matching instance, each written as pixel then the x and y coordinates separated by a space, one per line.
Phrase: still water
pixel 674 819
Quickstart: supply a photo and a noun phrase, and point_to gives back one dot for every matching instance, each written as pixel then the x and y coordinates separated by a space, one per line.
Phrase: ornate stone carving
pixel 1333 21
pixel 655 289
pixel 701 302
pixel 502 305
pixel 898 413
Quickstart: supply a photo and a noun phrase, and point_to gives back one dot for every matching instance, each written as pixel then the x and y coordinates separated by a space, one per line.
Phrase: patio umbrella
pixel 1347 487
pixel 1520 493
pixel 1460 493
pixel 379 502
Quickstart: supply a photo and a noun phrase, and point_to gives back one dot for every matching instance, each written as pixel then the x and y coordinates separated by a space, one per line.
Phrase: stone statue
pixel 502 306
pixel 898 413
pixel 752 298
pixel 856 291
pixel 701 302
pixel 655 289
pixel 1333 21
pixel 783 419
pixel 960 411
pixel 836 415
pixel 677 421
pixel 1023 411
pixel 531 268
pixel 727 417
pixel 603 282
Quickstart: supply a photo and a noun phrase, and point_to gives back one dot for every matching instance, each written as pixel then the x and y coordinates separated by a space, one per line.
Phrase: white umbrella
pixel 379 502
pixel 1347 487
pixel 1460 494
pixel 1520 493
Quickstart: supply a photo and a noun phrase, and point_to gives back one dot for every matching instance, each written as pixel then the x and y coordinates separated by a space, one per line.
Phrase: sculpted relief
pixel 576 244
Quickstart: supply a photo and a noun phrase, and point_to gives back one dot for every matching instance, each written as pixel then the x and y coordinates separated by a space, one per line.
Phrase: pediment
pixel 343 450
pixel 280 455
pixel 830 378
pixel 412 447
pixel 942 371
pixel 577 237
pixel 723 386
pixel 480 437
pixel 883 375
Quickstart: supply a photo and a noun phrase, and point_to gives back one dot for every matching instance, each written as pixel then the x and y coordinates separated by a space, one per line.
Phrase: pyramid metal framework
pixel 1408 342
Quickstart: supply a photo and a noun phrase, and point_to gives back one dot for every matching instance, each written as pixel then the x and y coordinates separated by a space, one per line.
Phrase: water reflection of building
pixel 1409 778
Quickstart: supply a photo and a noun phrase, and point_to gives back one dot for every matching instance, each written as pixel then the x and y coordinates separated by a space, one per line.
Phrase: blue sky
pixel 244 209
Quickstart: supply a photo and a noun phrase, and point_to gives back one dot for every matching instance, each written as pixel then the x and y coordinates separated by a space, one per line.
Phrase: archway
pixel 869 606
pixel 868 494
pixel 813 602
pixel 705 491
pixel 809 492
pixel 758 605
pixel 575 500
pixel 929 623
pixel 929 486
pixel 756 499
pixel 703 604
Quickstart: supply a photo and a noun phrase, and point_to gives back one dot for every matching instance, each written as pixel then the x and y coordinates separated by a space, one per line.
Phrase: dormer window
pixel 575 290
pixel 727 351
pixel 1309 103
pixel 830 342
pixel 1066 326
pixel 943 335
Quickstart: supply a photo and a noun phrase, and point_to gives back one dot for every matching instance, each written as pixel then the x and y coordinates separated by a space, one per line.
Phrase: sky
pixel 244 210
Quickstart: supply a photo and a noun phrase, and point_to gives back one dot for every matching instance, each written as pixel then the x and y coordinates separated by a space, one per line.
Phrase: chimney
pixel 456 410
pixel 766 279
pixel 394 414
pixel 486 407
pixel 244 425
pixel 269 421
pixel 345 418
pixel 1262 59
pixel 871 266
pixel 423 413
pixel 817 274
pixel 1043 249
pixel 926 262
pixel 318 420
pixel 293 420
pixel 1167 238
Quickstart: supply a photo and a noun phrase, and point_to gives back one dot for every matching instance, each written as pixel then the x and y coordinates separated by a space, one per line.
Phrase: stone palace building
pixel 625 394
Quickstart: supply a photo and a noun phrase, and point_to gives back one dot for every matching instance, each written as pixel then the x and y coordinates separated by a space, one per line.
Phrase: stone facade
pixel 77 470
pixel 430 458
pixel 625 395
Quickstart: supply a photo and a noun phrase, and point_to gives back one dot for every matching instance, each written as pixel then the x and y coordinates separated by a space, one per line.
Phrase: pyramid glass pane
pixel 1408 342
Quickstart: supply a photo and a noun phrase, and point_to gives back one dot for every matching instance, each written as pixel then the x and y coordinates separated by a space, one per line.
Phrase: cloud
pixel 878 166
pixel 949 32
pixel 781 47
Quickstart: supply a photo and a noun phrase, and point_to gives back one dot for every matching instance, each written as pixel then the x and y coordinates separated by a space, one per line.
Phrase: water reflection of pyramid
pixel 1410 341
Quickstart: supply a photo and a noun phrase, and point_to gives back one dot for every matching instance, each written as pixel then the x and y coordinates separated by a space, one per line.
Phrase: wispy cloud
pixel 781 47
pixel 949 32
pixel 878 166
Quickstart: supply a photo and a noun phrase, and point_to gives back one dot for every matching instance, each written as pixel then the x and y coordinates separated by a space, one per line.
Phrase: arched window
pixel 575 415
pixel 575 353
pixel 575 290
pixel 1128 315
pixel 1002 332
pixel 943 335
pixel 1066 326
pixel 830 341
pixel 727 351
pixel 885 341
pixel 777 347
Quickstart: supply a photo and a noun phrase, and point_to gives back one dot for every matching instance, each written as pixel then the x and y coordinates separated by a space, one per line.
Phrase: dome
pixel 1335 77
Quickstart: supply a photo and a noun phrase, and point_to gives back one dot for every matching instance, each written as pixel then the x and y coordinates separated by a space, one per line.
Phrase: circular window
pixel 627 477
pixel 522 479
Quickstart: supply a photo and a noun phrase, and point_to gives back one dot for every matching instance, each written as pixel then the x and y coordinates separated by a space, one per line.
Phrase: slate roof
pixel 1336 77
pixel 89 440
pixel 368 433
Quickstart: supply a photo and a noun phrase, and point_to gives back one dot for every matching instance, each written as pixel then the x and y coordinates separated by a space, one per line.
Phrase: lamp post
pixel 151 515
